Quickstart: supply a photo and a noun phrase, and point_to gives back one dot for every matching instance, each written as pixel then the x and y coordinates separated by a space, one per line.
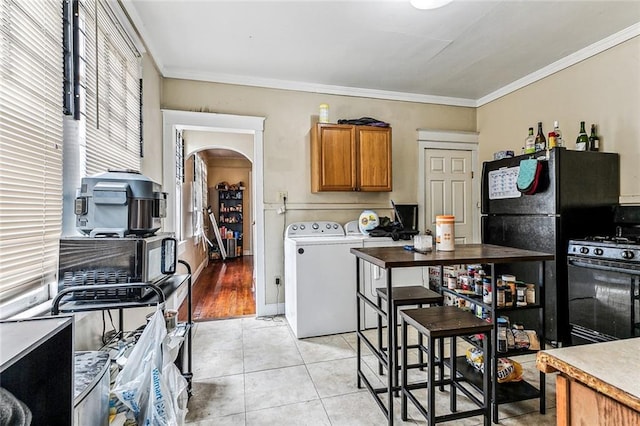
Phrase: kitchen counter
pixel 397 257
pixel 600 381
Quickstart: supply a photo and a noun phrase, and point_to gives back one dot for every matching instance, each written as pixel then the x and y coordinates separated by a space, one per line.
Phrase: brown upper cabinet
pixel 350 158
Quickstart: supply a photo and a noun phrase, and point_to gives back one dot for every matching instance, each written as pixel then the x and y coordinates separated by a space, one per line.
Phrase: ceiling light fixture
pixel 429 4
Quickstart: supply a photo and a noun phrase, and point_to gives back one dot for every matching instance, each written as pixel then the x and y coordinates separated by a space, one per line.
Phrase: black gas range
pixel 604 282
pixel 613 248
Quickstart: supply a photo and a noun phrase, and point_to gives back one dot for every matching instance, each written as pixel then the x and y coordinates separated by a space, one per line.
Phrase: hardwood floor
pixel 223 290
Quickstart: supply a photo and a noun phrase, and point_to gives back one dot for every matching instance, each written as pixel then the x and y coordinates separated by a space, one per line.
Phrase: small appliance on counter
pixel 86 261
pixel 119 203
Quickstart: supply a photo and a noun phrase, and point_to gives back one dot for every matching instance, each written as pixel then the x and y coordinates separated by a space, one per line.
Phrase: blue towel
pixel 527 174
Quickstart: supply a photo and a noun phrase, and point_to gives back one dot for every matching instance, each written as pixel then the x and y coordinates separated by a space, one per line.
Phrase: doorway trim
pixel 450 140
pixel 175 120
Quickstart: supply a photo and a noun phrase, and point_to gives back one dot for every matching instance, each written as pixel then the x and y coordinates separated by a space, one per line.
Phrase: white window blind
pixel 30 144
pixel 111 85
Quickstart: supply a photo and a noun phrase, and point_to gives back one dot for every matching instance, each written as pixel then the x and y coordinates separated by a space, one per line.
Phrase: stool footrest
pixel 423 348
pixel 441 418
pixel 459 415
pixel 424 385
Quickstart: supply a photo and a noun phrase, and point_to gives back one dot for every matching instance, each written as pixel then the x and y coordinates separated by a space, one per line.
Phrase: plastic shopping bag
pixel 176 387
pixel 160 408
pixel 175 383
pixel 133 384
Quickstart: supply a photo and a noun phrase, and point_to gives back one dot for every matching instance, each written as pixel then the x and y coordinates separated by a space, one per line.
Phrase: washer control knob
pixel 294 227
pixel 302 227
pixel 315 226
pixel 628 254
pixel 584 250
pixel 328 226
pixel 335 226
pixel 598 252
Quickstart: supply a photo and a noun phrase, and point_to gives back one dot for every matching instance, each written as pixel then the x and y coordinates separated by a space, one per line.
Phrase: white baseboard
pixel 271 310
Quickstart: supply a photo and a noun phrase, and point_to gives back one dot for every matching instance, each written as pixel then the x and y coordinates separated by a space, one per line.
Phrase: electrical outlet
pixel 282 195
pixel 278 280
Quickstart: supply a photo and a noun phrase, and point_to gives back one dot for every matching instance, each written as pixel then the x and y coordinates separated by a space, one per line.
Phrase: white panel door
pixel 448 190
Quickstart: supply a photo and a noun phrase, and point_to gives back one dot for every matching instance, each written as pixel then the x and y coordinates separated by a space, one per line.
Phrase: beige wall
pixel 289 116
pixel 604 90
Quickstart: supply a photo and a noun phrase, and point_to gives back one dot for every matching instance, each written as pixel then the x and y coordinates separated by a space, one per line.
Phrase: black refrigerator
pixel 574 198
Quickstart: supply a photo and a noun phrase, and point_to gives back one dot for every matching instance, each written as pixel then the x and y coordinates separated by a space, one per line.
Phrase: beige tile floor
pixel 253 371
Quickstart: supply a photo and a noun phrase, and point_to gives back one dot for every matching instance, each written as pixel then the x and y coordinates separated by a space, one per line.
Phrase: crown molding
pixel 561 64
pixel 186 74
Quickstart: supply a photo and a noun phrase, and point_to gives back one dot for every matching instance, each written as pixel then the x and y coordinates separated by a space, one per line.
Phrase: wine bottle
pixel 530 143
pixel 582 142
pixel 541 141
pixel 556 130
pixel 594 140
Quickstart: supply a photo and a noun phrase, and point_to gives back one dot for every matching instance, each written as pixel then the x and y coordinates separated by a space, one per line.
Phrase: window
pixel 103 92
pixel 31 116
pixel 199 195
pixel 110 84
pixel 179 182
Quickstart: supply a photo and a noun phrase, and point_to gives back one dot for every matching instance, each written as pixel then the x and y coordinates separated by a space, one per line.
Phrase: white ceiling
pixel 466 53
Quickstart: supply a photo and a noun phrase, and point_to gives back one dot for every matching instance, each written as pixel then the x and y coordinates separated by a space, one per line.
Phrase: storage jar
pixel 530 295
pixel 445 236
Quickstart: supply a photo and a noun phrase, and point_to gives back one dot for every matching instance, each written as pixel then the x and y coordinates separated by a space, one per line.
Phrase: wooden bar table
pixel 390 258
pixel 598 383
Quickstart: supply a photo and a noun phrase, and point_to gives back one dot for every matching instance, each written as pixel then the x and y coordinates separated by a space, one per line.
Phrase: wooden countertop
pixel 398 257
pixel 612 368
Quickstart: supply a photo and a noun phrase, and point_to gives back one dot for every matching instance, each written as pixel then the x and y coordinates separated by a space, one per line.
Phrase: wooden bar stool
pixel 437 323
pixel 416 295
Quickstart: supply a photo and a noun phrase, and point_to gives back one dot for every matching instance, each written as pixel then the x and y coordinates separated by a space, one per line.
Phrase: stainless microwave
pixel 87 261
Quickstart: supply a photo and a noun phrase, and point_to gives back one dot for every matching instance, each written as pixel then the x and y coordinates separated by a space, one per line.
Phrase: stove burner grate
pixel 614 239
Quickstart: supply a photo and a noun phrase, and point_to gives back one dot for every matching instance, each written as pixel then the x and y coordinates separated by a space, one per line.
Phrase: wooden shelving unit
pixel 230 209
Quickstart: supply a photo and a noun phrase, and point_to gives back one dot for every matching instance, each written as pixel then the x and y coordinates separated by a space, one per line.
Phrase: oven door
pixel 603 300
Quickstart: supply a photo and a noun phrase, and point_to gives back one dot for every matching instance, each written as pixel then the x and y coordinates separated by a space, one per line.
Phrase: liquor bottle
pixel 594 140
pixel 541 141
pixel 530 143
pixel 556 130
pixel 582 142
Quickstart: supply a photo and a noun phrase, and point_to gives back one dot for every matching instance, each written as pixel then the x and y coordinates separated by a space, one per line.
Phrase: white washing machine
pixel 320 279
pixel 375 277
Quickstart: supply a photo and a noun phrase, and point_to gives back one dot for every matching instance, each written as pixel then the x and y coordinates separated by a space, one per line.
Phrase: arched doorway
pixel 175 121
